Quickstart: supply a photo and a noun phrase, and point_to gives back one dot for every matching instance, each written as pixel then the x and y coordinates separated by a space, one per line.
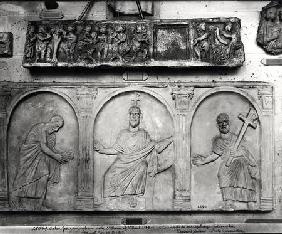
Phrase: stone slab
pixel 149 43
pixel 269 35
pixel 6 44
pixel 136 146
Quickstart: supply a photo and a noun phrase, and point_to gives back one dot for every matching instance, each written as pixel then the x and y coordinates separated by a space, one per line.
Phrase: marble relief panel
pixel 171 147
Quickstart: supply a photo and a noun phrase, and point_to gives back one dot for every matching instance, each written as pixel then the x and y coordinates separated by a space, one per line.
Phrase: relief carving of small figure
pixel 136 153
pixel 68 43
pixel 238 170
pixel 4 43
pixel 140 43
pixel 201 43
pixel 30 50
pixel 87 43
pixel 39 165
pixel 53 46
pixel 102 44
pixel 226 44
pixel 269 34
pixel 275 45
pixel 43 39
pixel 118 46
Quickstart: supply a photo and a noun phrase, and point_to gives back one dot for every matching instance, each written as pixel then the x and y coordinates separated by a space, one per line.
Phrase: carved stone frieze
pixel 70 147
pixel 269 35
pixel 6 44
pixel 195 42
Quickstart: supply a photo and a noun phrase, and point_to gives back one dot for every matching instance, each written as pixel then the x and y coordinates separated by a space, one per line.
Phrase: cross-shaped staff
pixel 136 99
pixel 249 120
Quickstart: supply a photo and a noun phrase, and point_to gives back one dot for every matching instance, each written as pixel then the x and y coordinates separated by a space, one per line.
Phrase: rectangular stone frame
pixel 184 96
pixel 146 45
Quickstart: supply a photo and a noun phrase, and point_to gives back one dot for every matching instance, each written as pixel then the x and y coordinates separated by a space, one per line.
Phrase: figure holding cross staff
pixel 238 171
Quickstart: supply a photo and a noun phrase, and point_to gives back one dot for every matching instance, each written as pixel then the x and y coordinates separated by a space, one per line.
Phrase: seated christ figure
pixel 136 152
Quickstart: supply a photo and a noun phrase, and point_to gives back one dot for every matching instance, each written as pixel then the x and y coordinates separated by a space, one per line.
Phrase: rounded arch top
pixel 222 89
pixel 110 96
pixel 21 97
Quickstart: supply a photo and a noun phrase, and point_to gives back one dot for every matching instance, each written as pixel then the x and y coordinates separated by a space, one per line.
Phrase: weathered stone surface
pixel 183 43
pixel 6 44
pixel 269 35
pixel 111 147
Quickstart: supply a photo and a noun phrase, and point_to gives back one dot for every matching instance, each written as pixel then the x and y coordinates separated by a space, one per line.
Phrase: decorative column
pixel 85 97
pixel 265 94
pixel 182 96
pixel 4 96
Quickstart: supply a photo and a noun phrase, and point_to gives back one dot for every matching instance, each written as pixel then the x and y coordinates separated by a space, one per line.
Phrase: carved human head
pixel 103 28
pixel 140 28
pixel 55 123
pixel 88 28
pixel 119 28
pixel 134 116
pixel 271 13
pixel 223 123
pixel 41 29
pixel 202 26
pixel 70 28
pixel 31 29
pixel 228 26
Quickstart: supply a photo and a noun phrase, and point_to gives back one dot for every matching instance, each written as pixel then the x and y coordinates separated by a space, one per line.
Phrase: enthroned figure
pixel 238 170
pixel 135 151
pixel 39 165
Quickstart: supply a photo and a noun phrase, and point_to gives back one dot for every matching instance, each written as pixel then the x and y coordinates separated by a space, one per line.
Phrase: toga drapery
pixel 36 168
pixel 127 175
pixel 237 181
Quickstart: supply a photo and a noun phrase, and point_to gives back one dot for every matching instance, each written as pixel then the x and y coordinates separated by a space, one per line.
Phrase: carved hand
pixel 61 158
pixel 234 153
pixel 198 160
pixel 69 155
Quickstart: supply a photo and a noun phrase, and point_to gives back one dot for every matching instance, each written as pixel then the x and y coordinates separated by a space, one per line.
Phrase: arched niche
pixel 38 107
pixel 205 191
pixel 112 117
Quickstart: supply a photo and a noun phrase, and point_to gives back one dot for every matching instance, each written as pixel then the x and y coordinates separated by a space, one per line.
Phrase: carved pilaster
pixel 265 95
pixel 266 98
pixel 85 97
pixel 182 97
pixel 4 95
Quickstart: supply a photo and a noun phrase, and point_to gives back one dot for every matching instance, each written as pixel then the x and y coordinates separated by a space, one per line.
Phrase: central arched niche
pixel 38 108
pixel 206 194
pixel 157 121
